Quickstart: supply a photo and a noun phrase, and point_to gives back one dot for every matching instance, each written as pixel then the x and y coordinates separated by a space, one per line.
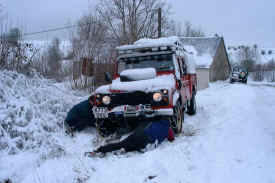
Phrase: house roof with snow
pixel 204 49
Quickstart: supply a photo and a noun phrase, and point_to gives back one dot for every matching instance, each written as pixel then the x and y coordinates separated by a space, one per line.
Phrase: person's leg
pixel 135 142
pixel 110 147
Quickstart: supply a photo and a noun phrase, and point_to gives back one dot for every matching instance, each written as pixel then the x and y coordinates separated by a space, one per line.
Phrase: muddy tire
pixel 192 107
pixel 177 119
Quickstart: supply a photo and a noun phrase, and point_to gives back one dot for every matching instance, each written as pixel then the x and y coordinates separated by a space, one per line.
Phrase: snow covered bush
pixel 32 111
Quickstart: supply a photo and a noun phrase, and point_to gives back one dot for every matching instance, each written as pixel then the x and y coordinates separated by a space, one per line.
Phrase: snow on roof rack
pixel 151 45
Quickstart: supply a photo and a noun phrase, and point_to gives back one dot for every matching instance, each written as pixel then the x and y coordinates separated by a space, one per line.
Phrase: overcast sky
pixel 239 21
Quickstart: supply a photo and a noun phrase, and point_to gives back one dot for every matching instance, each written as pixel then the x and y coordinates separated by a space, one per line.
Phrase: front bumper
pixel 129 111
pixel 237 79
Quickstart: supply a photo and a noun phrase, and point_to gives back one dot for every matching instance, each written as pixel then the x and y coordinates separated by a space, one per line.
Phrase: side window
pixel 184 66
pixel 180 66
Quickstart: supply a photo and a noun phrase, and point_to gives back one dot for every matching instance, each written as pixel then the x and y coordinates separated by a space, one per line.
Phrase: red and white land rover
pixel 153 77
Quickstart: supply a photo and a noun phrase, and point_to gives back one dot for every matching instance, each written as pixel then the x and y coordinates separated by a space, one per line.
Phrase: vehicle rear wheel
pixel 177 119
pixel 192 107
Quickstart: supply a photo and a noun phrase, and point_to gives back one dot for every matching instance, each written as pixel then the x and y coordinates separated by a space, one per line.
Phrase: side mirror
pixel 108 77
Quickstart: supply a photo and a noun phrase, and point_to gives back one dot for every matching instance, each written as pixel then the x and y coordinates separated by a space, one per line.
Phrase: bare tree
pixel 130 20
pixel 54 58
pixel 89 45
pixel 15 54
pixel 191 31
pixel 186 30
pixel 90 37
pixel 248 57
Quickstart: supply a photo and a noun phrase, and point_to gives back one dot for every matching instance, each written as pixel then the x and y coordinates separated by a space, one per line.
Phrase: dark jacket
pixel 80 116
pixel 158 130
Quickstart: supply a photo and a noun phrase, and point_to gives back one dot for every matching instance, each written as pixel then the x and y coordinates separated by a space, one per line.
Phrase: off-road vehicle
pixel 153 78
pixel 239 75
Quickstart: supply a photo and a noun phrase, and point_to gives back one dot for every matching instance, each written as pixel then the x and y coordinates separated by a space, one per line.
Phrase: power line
pixel 50 30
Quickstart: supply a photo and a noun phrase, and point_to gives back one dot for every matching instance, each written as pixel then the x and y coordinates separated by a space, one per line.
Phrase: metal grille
pixel 134 98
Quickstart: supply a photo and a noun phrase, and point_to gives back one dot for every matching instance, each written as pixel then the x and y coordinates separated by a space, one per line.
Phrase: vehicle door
pixel 183 79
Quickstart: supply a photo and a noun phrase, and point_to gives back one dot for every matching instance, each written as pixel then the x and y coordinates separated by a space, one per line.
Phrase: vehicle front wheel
pixel 177 119
pixel 192 106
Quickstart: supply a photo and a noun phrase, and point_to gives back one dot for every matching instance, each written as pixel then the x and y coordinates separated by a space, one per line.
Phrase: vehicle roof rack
pixel 152 45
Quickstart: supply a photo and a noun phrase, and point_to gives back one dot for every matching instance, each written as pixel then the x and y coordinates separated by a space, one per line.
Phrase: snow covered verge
pixel 230 139
pixel 32 111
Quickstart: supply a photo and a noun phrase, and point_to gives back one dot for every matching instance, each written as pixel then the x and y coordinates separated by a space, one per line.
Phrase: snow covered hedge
pixel 32 111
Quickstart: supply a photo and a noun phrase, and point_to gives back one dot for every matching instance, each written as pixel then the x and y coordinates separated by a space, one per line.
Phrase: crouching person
pixel 79 117
pixel 148 132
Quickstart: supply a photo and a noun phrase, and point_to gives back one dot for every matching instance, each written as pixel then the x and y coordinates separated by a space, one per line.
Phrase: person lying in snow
pixel 79 117
pixel 148 132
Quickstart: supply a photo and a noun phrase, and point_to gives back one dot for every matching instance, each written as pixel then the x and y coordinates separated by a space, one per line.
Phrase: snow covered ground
pixel 230 139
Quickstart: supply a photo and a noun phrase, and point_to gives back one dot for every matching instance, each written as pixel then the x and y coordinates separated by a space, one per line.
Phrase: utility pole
pixel 159 22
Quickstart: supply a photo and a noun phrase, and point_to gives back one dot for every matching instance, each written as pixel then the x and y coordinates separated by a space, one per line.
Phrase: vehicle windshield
pixel 162 62
pixel 237 69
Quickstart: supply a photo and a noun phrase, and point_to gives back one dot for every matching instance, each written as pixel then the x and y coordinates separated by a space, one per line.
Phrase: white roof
pixel 204 49
pixel 203 60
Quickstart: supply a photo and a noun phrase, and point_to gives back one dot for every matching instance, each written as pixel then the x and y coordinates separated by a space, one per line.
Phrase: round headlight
pixel 106 100
pixel 157 97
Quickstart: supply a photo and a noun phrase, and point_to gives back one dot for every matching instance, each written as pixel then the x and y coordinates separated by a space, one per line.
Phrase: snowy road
pixel 237 139
pixel 234 141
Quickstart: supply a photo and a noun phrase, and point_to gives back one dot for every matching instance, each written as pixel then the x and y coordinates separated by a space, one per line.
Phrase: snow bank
pixel 230 139
pixel 32 111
